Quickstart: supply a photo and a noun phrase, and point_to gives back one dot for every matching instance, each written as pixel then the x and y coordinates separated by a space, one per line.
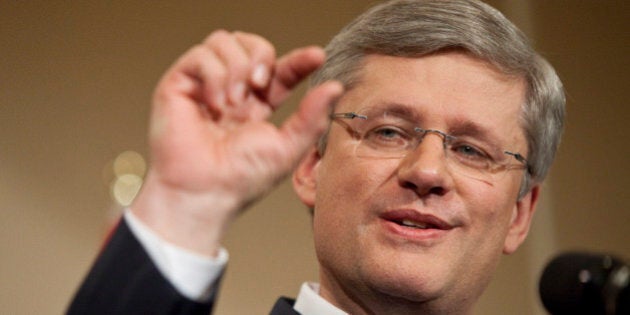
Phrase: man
pixel 444 123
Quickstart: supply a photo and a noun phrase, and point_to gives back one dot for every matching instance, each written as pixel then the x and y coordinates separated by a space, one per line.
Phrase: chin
pixel 423 294
pixel 409 281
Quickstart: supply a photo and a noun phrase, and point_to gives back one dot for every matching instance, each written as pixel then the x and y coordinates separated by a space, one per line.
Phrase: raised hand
pixel 213 151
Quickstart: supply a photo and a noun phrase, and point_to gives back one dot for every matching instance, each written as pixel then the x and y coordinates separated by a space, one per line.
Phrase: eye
pixel 387 136
pixel 469 151
pixel 471 155
pixel 387 133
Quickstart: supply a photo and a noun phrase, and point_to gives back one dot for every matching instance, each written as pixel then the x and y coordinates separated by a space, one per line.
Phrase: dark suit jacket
pixel 124 280
pixel 284 306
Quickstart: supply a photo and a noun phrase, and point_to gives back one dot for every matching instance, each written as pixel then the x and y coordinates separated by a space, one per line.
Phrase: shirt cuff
pixel 194 276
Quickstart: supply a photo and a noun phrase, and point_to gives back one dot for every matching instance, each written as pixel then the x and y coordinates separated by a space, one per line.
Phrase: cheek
pixel 490 210
pixel 349 185
pixel 345 189
pixel 333 200
pixel 344 178
pixel 492 202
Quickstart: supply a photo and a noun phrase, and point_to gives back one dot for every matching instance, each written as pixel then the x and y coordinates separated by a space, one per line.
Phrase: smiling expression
pixel 411 230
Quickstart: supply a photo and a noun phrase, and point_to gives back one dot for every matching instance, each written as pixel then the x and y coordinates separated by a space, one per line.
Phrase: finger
pixel 292 69
pixel 198 75
pixel 303 128
pixel 237 62
pixel 262 55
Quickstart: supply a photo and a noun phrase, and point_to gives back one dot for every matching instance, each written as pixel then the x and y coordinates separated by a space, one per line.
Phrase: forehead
pixel 447 91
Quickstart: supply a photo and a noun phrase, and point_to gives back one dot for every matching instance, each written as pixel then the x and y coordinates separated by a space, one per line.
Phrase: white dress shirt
pixel 309 302
pixel 196 276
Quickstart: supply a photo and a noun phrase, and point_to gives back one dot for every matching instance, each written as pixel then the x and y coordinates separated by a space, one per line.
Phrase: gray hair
pixel 415 28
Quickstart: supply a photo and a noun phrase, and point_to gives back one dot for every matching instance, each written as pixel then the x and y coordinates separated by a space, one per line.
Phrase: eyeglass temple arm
pixel 521 159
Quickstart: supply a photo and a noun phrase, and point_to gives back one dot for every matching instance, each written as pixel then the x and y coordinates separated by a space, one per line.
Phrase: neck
pixel 358 299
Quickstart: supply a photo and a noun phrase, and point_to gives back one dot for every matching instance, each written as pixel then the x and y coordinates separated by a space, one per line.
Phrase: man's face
pixel 364 250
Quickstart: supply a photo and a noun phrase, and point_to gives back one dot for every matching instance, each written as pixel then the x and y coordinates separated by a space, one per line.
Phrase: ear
pixel 521 220
pixel 305 177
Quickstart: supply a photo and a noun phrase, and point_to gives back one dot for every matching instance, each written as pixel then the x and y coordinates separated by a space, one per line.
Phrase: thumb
pixel 303 128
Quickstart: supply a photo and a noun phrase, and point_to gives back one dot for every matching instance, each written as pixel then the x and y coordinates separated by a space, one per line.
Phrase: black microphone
pixel 586 284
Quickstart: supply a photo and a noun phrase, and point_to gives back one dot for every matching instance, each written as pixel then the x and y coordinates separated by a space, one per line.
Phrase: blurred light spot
pixel 125 188
pixel 129 162
pixel 125 175
pixel 584 276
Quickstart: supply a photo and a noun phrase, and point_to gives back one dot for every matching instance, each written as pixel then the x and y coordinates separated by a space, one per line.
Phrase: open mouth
pixel 414 224
pixel 415 220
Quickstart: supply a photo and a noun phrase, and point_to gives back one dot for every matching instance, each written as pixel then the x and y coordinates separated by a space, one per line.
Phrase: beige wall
pixel 75 82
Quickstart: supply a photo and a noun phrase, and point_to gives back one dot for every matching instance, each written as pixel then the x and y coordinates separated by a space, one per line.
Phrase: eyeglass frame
pixel 445 137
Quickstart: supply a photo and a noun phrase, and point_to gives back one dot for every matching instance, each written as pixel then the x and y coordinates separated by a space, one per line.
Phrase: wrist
pixel 193 220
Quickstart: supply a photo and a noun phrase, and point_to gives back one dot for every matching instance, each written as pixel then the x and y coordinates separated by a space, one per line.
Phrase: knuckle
pixel 268 50
pixel 216 36
pixel 197 51
pixel 259 46
pixel 240 68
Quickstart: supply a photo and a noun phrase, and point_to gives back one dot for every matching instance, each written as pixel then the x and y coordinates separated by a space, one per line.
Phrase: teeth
pixel 413 224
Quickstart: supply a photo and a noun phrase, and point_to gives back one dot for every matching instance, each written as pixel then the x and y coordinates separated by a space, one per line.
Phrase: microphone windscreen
pixel 573 283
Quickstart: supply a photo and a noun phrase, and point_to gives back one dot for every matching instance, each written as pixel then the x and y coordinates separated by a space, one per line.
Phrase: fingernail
pixel 260 75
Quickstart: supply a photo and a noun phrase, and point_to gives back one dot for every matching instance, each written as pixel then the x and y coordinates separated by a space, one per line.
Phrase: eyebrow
pixel 461 127
pixel 466 128
pixel 458 126
pixel 402 110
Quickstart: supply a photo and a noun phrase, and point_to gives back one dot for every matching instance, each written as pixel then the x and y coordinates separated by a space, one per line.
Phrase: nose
pixel 424 132
pixel 424 169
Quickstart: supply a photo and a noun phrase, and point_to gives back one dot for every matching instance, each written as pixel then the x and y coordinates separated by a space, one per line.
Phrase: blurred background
pixel 76 79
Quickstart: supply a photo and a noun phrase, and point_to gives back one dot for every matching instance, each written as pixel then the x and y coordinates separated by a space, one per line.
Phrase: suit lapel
pixel 284 306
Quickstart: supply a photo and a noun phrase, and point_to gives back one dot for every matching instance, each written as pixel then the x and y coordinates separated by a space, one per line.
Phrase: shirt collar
pixel 309 302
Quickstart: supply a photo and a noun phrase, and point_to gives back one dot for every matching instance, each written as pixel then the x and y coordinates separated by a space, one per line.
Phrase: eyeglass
pixel 387 134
